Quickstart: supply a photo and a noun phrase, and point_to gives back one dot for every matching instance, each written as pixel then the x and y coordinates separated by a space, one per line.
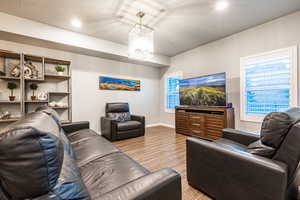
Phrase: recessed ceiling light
pixel 76 23
pixel 221 5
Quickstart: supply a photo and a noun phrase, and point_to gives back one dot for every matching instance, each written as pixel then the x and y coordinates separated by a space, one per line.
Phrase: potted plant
pixel 11 86
pixel 33 87
pixel 60 70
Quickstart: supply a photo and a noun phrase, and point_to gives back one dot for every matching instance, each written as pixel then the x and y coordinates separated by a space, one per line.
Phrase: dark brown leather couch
pixel 113 130
pixel 247 166
pixel 40 159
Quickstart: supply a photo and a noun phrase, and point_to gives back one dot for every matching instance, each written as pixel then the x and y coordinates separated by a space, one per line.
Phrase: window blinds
pixel 172 92
pixel 267 85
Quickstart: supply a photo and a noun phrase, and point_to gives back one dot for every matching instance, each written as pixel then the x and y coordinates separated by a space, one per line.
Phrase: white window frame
pixel 170 75
pixel 293 53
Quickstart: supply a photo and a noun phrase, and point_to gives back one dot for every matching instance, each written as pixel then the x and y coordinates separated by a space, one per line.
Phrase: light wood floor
pixel 161 148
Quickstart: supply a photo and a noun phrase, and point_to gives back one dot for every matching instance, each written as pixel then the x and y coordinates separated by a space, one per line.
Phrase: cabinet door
pixel 181 122
pixel 214 125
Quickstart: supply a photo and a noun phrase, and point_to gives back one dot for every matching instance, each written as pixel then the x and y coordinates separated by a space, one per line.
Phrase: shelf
pixel 54 76
pixel 36 101
pixel 9 54
pixel 9 102
pixel 9 78
pixel 59 93
pixel 34 80
pixel 9 120
pixel 33 58
pixel 65 107
pixel 47 77
pixel 55 61
pixel 65 121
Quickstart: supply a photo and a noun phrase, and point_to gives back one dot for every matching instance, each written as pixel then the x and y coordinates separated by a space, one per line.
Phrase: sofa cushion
pixel 30 152
pixel 128 125
pixel 52 113
pixel 69 184
pixel 231 145
pixel 89 146
pixel 121 135
pixel 82 134
pixel 107 173
pixel 274 129
pixel 33 161
pixel 258 148
pixel 116 107
pixel 120 117
pixel 276 125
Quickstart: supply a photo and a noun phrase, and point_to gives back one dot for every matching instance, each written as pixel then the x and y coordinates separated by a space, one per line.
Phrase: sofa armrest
pixel 75 126
pixel 249 176
pixel 109 128
pixel 162 184
pixel 3 195
pixel 138 118
pixel 242 137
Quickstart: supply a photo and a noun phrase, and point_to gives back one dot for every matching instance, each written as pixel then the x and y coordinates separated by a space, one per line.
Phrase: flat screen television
pixel 207 90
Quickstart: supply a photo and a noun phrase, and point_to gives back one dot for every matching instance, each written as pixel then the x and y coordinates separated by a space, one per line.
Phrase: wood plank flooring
pixel 161 148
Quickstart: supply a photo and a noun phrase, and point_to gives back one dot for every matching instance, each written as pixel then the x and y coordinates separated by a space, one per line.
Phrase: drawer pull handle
pixel 195 124
pixel 196 131
pixel 195 117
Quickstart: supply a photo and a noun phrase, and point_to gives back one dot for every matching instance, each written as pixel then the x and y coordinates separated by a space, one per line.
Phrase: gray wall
pixel 224 56
pixel 88 100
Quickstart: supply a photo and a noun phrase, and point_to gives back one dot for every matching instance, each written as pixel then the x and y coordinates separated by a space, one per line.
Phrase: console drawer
pixel 197 132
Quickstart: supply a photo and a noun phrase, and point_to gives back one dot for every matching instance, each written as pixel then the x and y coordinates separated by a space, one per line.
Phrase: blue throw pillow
pixel 120 117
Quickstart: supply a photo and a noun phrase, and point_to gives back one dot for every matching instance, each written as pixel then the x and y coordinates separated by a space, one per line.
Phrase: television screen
pixel 203 91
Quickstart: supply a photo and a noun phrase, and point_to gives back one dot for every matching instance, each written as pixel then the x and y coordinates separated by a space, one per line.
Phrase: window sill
pixel 253 119
pixel 170 111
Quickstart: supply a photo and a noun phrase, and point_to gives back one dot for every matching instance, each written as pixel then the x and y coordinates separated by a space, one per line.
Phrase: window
pixel 268 83
pixel 172 91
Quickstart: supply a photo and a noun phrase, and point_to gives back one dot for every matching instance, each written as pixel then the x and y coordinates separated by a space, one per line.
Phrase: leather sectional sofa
pixel 40 159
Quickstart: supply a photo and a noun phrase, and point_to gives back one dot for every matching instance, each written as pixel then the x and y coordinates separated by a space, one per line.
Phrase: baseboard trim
pixel 160 124
pixel 152 125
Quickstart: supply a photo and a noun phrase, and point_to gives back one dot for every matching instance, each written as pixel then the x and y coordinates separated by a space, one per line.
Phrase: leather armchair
pixel 244 165
pixel 113 130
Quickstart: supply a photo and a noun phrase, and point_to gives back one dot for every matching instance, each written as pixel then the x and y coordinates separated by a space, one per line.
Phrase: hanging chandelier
pixel 140 40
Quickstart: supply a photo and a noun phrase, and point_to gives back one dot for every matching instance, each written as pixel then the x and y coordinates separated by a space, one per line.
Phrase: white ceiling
pixel 184 24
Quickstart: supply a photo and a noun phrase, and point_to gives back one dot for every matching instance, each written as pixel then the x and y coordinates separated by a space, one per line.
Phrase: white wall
pixel 88 100
pixel 224 56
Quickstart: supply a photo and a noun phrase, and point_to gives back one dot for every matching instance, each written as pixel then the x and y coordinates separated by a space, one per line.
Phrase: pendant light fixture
pixel 140 40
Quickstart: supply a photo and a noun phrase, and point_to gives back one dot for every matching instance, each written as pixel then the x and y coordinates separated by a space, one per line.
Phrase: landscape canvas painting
pixel 203 91
pixel 110 83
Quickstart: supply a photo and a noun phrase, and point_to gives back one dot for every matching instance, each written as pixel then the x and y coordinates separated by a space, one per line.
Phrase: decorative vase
pixel 12 98
pixel 60 73
pixel 33 98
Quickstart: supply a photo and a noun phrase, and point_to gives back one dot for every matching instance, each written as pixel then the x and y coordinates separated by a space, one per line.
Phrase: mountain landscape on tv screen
pixel 203 91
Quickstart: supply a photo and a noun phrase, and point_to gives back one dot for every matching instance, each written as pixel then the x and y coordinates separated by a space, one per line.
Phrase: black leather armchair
pixel 113 130
pixel 248 166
